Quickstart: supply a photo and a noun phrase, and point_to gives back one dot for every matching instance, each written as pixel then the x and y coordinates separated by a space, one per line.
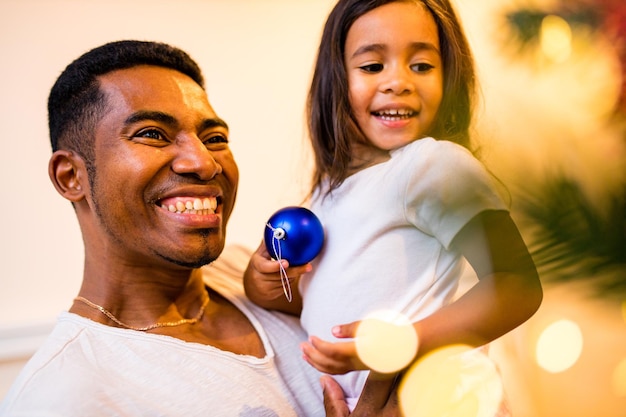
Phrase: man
pixel 145 161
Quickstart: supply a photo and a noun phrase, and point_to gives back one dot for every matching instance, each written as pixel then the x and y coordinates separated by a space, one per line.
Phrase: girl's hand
pixel 264 286
pixel 262 275
pixel 334 357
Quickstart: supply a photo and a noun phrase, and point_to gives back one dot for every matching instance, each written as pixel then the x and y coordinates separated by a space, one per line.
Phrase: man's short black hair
pixel 76 104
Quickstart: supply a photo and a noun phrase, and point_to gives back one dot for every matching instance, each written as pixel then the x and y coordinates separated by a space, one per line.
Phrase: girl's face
pixel 395 74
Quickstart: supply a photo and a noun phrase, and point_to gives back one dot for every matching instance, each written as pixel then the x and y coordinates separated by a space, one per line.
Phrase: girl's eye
pixel 372 68
pixel 422 67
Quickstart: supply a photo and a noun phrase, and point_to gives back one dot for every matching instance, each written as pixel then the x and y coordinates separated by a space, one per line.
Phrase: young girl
pixel 401 197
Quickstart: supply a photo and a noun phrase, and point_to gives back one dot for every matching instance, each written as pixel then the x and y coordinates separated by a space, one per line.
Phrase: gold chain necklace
pixel 150 327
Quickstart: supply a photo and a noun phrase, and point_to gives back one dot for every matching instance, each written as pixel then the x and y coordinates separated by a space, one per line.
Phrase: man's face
pixel 165 179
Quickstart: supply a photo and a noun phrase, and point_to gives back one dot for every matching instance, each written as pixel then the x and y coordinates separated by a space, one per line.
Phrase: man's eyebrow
pixel 170 120
pixel 378 47
pixel 156 116
pixel 213 122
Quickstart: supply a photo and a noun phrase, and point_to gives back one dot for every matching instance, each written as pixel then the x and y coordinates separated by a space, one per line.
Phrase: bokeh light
pixel 556 38
pixel 456 381
pixel 559 346
pixel 386 341
pixel 619 379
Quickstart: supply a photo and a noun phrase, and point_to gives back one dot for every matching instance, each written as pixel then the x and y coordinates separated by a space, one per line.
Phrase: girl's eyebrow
pixel 378 47
pixel 372 47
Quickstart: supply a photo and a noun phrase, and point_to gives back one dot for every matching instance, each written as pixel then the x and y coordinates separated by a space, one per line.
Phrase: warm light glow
pixel 619 379
pixel 624 310
pixel 457 381
pixel 556 38
pixel 386 342
pixel 559 346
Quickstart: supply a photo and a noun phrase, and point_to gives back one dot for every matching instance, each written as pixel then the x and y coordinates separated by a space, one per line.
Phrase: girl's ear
pixel 68 175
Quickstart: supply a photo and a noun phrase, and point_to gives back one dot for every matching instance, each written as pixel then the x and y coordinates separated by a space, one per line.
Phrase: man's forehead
pixel 154 88
pixel 143 77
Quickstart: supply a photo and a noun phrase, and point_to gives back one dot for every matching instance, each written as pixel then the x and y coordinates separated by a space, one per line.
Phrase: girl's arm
pixel 263 284
pixel 508 292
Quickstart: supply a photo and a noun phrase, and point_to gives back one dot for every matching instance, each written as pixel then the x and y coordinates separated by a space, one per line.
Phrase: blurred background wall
pixel 550 125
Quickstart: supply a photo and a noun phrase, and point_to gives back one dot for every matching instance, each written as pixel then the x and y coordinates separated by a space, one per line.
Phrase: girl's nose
pixel 398 80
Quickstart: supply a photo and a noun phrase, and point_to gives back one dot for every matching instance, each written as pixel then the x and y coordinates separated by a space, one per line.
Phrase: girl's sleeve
pixel 447 189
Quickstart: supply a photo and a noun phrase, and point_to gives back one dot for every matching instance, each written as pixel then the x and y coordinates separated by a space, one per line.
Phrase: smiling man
pixel 145 160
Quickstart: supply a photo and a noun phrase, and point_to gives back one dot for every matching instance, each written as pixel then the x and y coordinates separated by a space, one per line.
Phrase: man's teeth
pixel 197 206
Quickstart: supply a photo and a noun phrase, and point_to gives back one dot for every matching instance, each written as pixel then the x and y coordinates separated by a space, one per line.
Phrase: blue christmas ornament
pixel 295 234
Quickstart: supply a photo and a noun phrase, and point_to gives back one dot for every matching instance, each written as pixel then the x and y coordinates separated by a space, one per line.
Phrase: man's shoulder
pixel 226 272
pixel 54 372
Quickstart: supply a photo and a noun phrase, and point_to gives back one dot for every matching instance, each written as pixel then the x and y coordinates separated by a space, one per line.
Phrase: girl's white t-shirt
pixel 388 230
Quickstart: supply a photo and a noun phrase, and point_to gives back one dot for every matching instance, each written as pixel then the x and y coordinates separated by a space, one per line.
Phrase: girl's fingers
pixel 348 330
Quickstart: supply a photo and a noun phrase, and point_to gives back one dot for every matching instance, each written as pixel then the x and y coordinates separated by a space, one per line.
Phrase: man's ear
pixel 68 174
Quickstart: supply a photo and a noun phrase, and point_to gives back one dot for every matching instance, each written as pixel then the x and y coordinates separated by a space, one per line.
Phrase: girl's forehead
pixel 396 22
pixel 391 14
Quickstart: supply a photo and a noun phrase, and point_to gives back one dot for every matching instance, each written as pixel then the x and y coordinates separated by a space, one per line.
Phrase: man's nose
pixel 193 158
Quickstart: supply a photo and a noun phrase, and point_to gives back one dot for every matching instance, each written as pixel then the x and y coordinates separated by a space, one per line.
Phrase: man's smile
pixel 190 205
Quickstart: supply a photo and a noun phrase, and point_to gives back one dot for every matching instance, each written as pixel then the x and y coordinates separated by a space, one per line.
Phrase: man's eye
pixel 216 139
pixel 422 67
pixel 372 68
pixel 151 134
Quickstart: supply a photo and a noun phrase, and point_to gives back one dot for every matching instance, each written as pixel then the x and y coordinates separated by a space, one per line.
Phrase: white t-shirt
pixel 88 369
pixel 388 233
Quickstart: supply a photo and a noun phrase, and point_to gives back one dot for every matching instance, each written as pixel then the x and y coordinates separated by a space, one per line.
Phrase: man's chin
pixel 195 263
pixel 196 260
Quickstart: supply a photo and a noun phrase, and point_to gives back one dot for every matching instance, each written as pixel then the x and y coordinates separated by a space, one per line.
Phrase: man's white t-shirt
pixel 88 369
